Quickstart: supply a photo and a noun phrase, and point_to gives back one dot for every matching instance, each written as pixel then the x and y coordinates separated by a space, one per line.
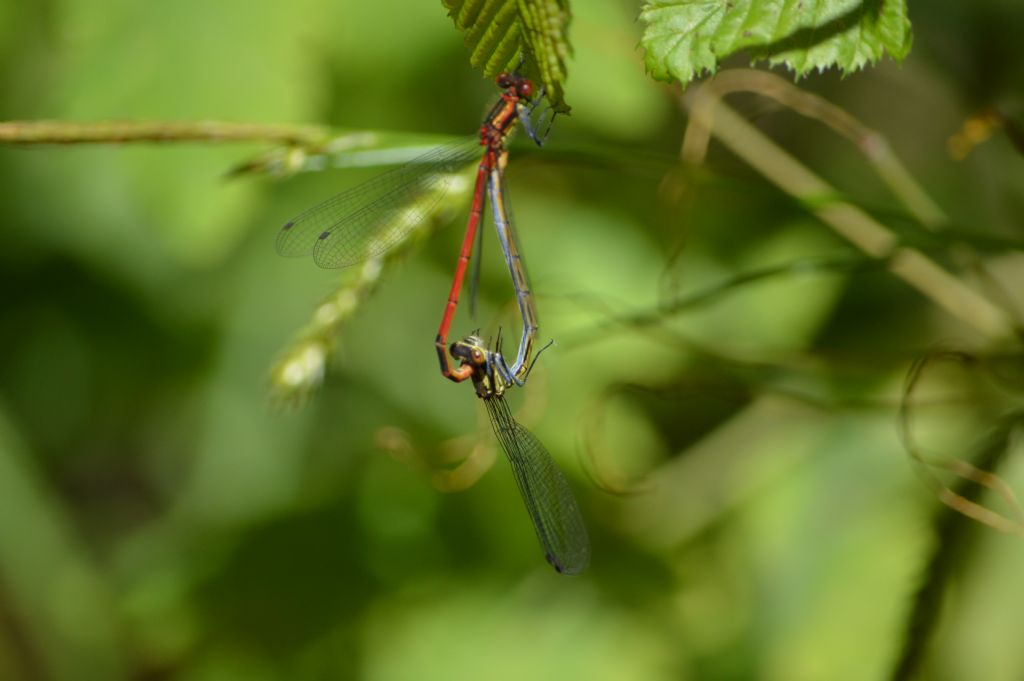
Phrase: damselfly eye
pixel 504 79
pixel 525 88
pixel 478 355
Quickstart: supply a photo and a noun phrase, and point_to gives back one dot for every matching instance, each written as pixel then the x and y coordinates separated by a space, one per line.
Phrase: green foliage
pixel 686 38
pixel 157 521
pixel 500 32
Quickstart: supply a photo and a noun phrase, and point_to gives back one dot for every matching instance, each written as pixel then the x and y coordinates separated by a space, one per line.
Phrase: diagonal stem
pixel 849 221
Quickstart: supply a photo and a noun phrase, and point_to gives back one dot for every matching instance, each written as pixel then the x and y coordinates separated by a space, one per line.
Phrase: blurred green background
pixel 752 512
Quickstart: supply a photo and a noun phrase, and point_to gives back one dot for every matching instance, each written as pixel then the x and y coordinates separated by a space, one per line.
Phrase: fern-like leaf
pixel 501 33
pixel 684 39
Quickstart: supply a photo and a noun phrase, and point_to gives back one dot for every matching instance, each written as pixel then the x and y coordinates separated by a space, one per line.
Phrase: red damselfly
pixel 370 219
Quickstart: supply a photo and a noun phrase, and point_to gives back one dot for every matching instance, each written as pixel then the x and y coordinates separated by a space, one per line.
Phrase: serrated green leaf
pixel 499 33
pixel 687 38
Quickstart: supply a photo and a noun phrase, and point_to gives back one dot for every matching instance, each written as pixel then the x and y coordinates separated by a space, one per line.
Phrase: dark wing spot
pixel 324 235
pixel 288 226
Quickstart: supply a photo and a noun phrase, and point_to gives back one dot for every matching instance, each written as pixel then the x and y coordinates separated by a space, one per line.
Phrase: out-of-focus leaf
pixel 497 32
pixel 686 38
pixel 60 598
pixel 196 71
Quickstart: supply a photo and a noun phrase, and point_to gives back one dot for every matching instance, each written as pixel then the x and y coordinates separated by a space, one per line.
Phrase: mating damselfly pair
pixel 368 220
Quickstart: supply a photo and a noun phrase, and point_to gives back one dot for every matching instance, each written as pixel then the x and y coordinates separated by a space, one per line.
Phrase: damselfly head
pixel 470 350
pixel 490 376
pixel 522 86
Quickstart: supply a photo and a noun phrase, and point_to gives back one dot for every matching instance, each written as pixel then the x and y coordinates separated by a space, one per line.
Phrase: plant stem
pixel 846 219
pixel 115 132
pixel 870 143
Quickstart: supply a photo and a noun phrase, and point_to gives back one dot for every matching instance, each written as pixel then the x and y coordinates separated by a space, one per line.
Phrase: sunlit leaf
pixel 686 38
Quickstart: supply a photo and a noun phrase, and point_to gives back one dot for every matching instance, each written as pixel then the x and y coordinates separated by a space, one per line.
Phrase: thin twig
pixel 846 219
pixel 871 143
pixel 120 132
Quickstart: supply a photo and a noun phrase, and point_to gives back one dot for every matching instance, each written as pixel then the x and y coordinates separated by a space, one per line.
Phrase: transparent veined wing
pixel 556 516
pixel 371 218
